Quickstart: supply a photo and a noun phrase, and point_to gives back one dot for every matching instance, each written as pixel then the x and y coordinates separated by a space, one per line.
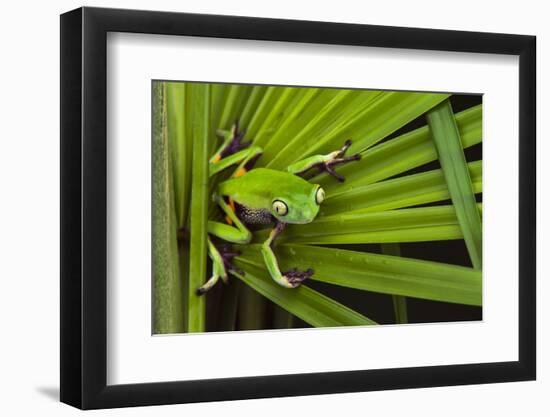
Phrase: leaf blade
pixel 406 191
pixel 304 302
pixel 447 141
pixel 380 114
pixel 168 295
pixel 176 111
pixel 399 302
pixel 200 97
pixel 378 273
pixel 401 154
pixel 391 226
pixel 234 102
pixel 251 106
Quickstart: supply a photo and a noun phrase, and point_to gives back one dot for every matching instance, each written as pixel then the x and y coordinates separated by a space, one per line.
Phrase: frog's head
pixel 298 206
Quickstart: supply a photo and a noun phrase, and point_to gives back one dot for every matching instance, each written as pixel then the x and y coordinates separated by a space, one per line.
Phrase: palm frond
pixel 374 272
pixel 309 305
pixel 168 300
pixel 457 176
pixel 199 96
pixel 380 202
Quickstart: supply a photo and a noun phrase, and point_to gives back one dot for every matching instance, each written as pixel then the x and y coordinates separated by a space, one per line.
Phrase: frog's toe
pixel 227 254
pixel 338 158
pixel 222 257
pixel 204 288
pixel 344 148
pixel 296 277
pixel 236 143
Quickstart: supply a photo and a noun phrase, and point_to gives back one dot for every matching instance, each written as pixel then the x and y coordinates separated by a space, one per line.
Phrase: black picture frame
pixel 84 207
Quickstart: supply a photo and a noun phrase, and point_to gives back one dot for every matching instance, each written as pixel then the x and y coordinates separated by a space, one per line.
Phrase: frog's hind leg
pixel 233 151
pixel 222 255
pixel 325 162
pixel 229 155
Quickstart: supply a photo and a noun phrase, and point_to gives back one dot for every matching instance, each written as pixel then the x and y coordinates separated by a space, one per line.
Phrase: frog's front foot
pixel 227 253
pixel 233 141
pixel 336 158
pixel 222 257
pixel 294 277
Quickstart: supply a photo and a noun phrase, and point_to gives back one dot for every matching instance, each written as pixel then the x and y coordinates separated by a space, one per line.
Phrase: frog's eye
pixel 280 207
pixel 320 195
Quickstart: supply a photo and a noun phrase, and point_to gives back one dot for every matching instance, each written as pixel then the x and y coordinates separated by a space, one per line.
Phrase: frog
pixel 260 197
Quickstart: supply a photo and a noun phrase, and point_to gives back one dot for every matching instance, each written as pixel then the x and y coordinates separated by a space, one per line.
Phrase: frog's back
pixel 260 186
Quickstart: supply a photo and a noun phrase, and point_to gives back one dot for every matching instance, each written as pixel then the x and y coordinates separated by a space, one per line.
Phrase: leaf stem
pixel 399 302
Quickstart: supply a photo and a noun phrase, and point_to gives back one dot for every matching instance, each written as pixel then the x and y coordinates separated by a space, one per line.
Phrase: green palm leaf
pixel 305 303
pixel 410 190
pixel 406 225
pixel 399 302
pixel 366 116
pixel 254 99
pixel 301 115
pixel 199 96
pixel 403 153
pixel 168 300
pixel 374 272
pixel 235 100
pixel 380 202
pixel 453 163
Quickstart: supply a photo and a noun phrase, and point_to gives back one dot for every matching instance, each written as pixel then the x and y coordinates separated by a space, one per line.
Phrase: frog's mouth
pixel 299 221
pixel 302 217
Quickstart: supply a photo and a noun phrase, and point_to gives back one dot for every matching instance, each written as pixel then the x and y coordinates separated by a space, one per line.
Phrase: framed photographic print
pixel 258 208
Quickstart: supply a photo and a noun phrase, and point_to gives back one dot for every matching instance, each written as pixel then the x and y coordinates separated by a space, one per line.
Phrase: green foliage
pixel 168 295
pixel 375 272
pixel 380 202
pixel 199 100
pixel 390 226
pixel 305 303
pixel 457 176
pixel 399 302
